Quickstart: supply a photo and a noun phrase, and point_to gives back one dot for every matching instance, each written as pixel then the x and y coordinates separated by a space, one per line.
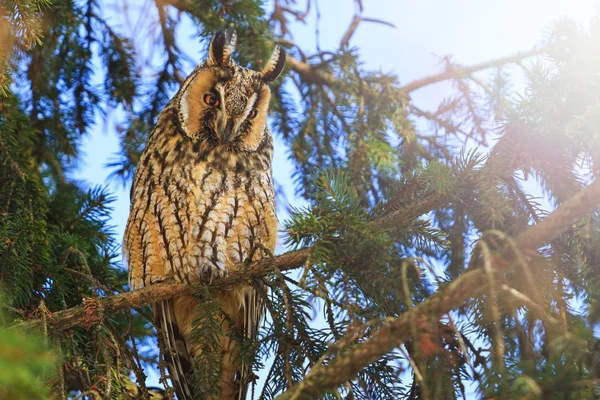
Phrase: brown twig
pixel 454 72
pixel 354 24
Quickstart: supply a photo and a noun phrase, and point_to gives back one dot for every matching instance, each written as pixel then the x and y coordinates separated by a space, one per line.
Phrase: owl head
pixel 224 104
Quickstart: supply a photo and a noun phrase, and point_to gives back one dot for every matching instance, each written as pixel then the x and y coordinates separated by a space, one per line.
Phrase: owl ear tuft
pixel 221 47
pixel 275 65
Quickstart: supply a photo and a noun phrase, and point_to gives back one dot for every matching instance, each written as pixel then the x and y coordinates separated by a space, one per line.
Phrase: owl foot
pixel 209 271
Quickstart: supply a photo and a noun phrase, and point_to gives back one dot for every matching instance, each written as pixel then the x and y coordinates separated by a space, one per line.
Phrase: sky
pixel 470 31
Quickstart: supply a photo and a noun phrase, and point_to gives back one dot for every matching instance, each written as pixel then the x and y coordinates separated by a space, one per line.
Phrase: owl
pixel 202 202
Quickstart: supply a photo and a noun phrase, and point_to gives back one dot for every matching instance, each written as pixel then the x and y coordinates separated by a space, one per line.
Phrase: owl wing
pixel 253 310
pixel 175 349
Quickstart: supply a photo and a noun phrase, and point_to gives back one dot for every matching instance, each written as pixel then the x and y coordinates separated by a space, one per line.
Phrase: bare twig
pixel 354 24
pixel 455 72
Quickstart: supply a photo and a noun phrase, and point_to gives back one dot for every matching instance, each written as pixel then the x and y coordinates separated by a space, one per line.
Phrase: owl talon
pixel 211 271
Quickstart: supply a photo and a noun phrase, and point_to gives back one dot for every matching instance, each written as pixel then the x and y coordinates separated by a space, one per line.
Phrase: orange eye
pixel 212 100
pixel 253 114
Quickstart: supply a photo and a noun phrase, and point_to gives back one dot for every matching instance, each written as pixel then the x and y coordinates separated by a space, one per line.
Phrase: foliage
pixel 23 360
pixel 207 329
pixel 395 213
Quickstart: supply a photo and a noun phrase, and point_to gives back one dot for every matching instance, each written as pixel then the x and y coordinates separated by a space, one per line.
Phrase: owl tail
pixel 174 319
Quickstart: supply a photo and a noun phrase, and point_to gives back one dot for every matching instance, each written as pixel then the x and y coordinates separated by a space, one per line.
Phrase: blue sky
pixel 471 31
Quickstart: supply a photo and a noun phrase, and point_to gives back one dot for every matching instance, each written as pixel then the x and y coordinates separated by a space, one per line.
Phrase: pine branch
pixel 312 75
pixel 352 359
pixel 348 363
pixel 562 219
pixel 93 310
pixel 396 218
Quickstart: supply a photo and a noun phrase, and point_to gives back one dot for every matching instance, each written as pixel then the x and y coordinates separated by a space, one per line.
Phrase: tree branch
pixel 93 310
pixel 397 218
pixel 312 75
pixel 351 359
pixel 354 24
pixel 562 219
pixel 454 72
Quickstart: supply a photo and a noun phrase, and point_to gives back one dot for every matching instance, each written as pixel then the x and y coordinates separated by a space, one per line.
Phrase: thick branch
pixel 312 75
pixel 353 358
pixel 94 309
pixel 390 335
pixel 562 219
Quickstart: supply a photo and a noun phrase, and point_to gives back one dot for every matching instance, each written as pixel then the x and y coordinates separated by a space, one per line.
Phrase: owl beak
pixel 228 132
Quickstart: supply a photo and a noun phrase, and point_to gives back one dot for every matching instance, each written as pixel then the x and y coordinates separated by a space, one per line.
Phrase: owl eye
pixel 253 114
pixel 212 100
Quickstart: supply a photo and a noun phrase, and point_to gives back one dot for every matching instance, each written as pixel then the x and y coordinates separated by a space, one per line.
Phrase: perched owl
pixel 202 201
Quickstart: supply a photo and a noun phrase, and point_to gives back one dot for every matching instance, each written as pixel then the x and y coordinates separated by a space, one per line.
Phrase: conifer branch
pixel 398 217
pixel 352 358
pixel 312 75
pixel 93 310
pixel 562 219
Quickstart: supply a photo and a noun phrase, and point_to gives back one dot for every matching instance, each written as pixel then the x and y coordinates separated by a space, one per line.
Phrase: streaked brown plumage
pixel 202 201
